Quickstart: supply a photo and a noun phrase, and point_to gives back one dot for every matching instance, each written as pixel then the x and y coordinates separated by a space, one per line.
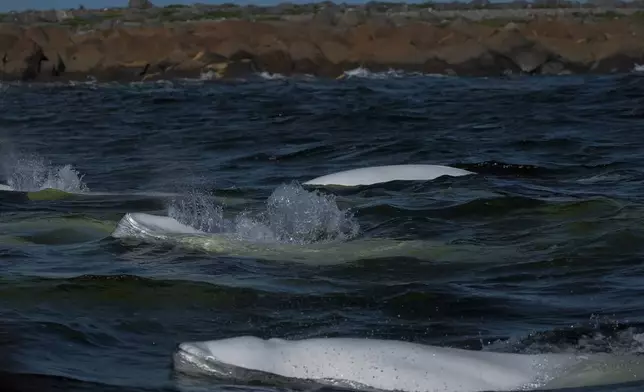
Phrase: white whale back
pixel 381 364
pixel 147 226
pixel 379 174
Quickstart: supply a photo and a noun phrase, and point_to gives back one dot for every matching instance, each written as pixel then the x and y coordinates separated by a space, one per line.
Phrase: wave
pixel 25 382
pixel 44 229
pixel 357 73
pixel 364 73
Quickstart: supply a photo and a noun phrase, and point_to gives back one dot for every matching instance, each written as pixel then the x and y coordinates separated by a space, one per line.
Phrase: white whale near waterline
pixel 390 365
pixel 165 229
pixel 380 174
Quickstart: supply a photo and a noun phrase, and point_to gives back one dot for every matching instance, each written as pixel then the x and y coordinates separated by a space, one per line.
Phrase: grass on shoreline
pixel 77 22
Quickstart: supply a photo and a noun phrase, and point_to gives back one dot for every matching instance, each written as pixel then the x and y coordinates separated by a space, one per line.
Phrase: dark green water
pixel 539 251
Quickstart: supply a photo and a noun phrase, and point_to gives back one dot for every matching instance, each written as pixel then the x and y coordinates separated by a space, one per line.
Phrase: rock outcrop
pixel 140 4
pixel 232 48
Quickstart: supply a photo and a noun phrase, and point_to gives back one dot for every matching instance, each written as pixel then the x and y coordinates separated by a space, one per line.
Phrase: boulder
pixel 526 54
pixel 337 39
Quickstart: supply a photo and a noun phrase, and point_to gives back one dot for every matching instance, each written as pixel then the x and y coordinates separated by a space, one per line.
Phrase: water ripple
pixel 539 251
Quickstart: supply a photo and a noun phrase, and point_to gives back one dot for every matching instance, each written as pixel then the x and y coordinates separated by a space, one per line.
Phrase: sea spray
pixel 200 211
pixel 301 216
pixel 31 172
pixel 598 335
pixel 292 215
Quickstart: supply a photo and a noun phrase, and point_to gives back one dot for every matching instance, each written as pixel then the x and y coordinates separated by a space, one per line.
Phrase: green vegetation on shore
pixel 77 22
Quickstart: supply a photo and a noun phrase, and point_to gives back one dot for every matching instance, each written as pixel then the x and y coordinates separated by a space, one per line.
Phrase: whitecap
pixel 364 73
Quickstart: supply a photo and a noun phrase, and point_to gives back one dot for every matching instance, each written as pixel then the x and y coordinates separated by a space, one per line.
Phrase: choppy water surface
pixel 540 251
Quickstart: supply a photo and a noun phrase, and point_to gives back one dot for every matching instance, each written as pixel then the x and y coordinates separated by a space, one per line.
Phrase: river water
pixel 540 251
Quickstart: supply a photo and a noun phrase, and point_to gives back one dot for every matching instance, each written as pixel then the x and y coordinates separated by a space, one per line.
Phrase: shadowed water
pixel 540 251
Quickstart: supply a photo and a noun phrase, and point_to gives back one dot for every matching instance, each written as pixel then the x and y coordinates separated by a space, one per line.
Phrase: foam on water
pixel 271 76
pixel 292 215
pixel 30 173
pixel 364 73
pixel 208 75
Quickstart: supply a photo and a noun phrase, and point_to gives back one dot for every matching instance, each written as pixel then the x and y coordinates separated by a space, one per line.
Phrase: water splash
pixel 32 173
pixel 596 336
pixel 200 211
pixel 292 215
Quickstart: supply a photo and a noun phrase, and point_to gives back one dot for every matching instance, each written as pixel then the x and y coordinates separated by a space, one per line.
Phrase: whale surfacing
pixel 142 225
pixel 380 174
pixel 164 229
pixel 390 365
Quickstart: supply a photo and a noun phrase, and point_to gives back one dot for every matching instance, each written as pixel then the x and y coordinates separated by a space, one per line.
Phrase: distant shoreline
pixel 322 39
pixel 476 10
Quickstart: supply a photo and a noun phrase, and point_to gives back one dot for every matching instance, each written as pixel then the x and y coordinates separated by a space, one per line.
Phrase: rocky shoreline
pixel 322 39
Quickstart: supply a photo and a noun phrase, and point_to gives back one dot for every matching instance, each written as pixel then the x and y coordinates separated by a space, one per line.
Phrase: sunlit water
pixel 540 251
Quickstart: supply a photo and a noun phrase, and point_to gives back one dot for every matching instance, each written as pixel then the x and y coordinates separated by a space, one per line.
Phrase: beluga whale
pixel 390 365
pixel 164 229
pixel 381 174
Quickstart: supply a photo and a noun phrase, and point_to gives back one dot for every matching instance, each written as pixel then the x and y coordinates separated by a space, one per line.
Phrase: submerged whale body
pixel 390 365
pixel 164 229
pixel 42 194
pixel 380 174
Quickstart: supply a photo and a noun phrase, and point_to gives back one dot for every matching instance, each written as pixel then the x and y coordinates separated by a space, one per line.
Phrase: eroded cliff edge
pixel 233 48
